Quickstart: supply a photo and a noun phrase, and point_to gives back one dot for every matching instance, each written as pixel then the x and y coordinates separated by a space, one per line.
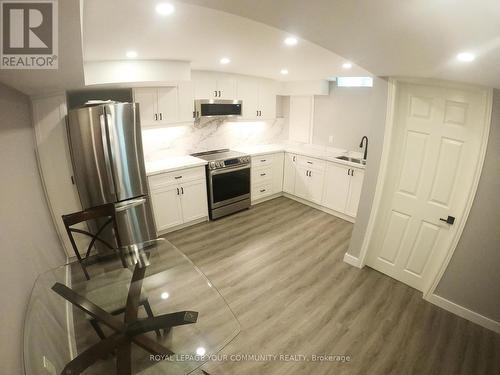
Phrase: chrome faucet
pixel 365 138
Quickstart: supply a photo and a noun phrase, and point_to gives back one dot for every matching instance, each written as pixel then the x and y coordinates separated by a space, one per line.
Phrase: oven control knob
pixel 212 164
pixel 217 164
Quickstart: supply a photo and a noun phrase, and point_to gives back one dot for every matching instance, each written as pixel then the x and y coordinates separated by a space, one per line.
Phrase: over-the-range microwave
pixel 217 108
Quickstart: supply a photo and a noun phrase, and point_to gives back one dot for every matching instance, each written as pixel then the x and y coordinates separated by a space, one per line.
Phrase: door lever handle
pixel 449 220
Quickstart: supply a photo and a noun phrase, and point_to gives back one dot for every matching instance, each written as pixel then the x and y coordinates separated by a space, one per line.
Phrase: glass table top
pixel 67 313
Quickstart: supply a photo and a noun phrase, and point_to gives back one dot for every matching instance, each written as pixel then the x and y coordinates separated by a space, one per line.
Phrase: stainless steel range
pixel 228 181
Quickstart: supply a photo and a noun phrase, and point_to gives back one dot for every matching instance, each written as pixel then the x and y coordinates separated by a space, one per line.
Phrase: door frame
pixel 392 97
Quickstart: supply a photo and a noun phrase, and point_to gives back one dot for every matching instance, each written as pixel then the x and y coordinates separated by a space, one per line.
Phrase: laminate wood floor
pixel 279 266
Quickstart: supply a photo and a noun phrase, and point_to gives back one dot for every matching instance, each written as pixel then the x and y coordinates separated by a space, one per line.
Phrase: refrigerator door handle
pixel 107 162
pixel 122 206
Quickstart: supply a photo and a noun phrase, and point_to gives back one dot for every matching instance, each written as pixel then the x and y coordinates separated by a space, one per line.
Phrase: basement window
pixel 354 81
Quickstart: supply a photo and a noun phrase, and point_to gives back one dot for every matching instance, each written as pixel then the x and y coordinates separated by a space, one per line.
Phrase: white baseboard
pixel 181 226
pixel 268 198
pixel 321 208
pixel 352 260
pixel 464 312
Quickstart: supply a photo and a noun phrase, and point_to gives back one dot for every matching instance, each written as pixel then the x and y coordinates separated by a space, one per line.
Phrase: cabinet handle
pixel 352 172
pixel 156 116
pixel 177 191
pixel 348 172
pixel 182 190
pixel 215 93
pixel 161 116
pixel 263 160
pixel 177 177
pixel 262 174
pixel 262 190
pixel 310 174
pixel 294 158
pixel 257 113
pixel 309 162
pixel 194 114
pixel 220 94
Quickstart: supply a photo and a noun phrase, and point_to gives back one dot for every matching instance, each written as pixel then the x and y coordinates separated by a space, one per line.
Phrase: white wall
pixel 347 114
pixel 29 244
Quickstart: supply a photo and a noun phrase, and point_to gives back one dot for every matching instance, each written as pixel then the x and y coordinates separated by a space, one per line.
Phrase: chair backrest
pixel 104 211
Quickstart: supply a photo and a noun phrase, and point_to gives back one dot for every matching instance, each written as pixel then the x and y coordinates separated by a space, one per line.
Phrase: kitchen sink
pixel 352 160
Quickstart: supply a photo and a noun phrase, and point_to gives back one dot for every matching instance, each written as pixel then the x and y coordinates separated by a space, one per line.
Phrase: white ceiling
pixel 391 37
pixel 202 36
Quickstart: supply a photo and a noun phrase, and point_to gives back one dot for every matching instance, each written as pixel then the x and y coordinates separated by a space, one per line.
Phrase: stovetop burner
pixel 223 158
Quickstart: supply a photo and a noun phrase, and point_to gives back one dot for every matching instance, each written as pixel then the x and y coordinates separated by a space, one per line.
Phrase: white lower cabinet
pixel 342 188
pixel 178 198
pixel 267 175
pixel 289 170
pixel 309 182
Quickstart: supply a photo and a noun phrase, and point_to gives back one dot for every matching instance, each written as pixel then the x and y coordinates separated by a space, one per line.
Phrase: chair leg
pixel 147 307
pixel 97 329
pixel 84 270
pixel 122 258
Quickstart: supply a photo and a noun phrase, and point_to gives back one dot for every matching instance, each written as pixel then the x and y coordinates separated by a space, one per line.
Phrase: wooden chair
pixel 106 211
pixel 98 292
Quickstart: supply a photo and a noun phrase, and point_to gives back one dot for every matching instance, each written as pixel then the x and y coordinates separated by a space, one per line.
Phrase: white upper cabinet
pixel 210 86
pixel 259 98
pixel 301 118
pixel 168 105
pixel 165 105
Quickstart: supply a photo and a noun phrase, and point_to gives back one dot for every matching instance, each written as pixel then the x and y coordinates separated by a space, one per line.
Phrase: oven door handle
pixel 228 170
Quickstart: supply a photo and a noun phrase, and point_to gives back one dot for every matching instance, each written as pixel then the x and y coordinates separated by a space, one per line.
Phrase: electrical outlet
pixel 47 365
pixel 330 139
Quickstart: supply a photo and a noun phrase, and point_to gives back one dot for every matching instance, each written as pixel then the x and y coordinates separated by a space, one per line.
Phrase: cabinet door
pixel 267 101
pixel 248 92
pixel 289 172
pixel 205 88
pixel 167 105
pixel 336 187
pixel 315 185
pixel 147 99
pixel 186 101
pixel 226 89
pixel 300 118
pixel 354 191
pixel 277 172
pixel 167 207
pixel 194 200
pixel 302 182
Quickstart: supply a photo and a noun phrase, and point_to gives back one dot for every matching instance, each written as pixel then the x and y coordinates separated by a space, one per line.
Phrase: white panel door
pixel 315 180
pixel 147 99
pixel 267 100
pixel 336 187
pixel 167 207
pixel 300 122
pixel 194 200
pixel 186 101
pixel 168 105
pixel 433 157
pixel 248 92
pixel 289 171
pixel 355 186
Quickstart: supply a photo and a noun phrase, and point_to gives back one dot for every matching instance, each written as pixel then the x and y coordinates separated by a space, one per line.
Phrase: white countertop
pixel 172 163
pixel 313 151
pixel 177 162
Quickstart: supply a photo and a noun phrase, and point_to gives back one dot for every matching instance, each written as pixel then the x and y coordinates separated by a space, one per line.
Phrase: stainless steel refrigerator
pixel 108 164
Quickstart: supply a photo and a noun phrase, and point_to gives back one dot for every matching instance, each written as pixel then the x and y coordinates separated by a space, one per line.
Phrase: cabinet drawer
pixel 311 163
pixel 175 177
pixel 261 174
pixel 262 190
pixel 260 161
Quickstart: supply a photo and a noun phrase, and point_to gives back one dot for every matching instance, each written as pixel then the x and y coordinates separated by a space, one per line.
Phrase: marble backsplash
pixel 214 134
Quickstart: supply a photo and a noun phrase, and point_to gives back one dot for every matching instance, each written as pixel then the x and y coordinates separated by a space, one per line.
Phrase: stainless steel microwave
pixel 217 108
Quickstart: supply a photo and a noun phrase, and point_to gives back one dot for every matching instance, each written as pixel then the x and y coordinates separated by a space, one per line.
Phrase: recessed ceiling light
pixel 225 60
pixel 347 65
pixel 466 57
pixel 200 351
pixel 284 71
pixel 165 295
pixel 131 54
pixel 291 41
pixel 165 9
